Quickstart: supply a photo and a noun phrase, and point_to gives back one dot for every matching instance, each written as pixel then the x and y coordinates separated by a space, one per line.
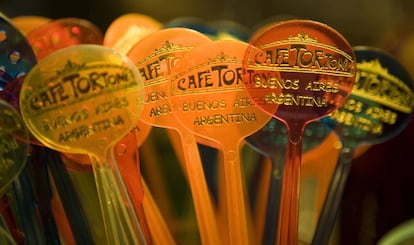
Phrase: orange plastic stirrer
pixel 159 229
pixel 208 97
pixel 84 99
pixel 155 57
pixel 126 155
pixel 317 72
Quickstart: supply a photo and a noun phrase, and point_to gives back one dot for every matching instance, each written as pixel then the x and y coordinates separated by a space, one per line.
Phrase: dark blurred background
pixel 380 191
pixel 360 21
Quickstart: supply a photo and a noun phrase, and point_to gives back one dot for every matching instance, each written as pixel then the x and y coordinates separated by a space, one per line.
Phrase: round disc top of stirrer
pixel 16 54
pixel 305 67
pixel 155 57
pixel 82 99
pixel 128 29
pixel 208 94
pixel 61 33
pixel 381 103
pixel 14 144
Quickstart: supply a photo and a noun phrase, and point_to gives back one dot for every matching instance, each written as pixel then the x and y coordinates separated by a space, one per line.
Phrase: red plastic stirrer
pixel 316 68
pixel 61 33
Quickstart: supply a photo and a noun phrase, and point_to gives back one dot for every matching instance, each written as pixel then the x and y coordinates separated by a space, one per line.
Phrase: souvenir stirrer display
pixel 208 97
pixel 155 57
pixel 83 99
pixel 379 108
pixel 316 68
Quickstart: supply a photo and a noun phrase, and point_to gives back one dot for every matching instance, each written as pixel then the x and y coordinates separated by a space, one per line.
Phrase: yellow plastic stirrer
pixel 84 99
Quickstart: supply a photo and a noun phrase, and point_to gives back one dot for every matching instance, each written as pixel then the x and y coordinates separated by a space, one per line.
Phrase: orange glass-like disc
pixel 155 57
pixel 208 93
pixel 128 29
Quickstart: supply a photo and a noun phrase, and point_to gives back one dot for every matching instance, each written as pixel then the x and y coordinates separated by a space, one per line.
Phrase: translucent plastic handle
pixel 158 228
pixel 5 236
pixel 131 227
pixel 121 224
pixel 206 217
pixel 273 201
pixel 23 196
pixel 70 200
pixel 126 155
pixel 333 199
pixel 289 206
pixel 236 207
pixel 107 211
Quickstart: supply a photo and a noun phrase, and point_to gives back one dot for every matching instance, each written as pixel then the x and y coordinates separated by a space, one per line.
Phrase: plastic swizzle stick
pixel 232 116
pixel 377 116
pixel 155 57
pixel 308 69
pixel 83 99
